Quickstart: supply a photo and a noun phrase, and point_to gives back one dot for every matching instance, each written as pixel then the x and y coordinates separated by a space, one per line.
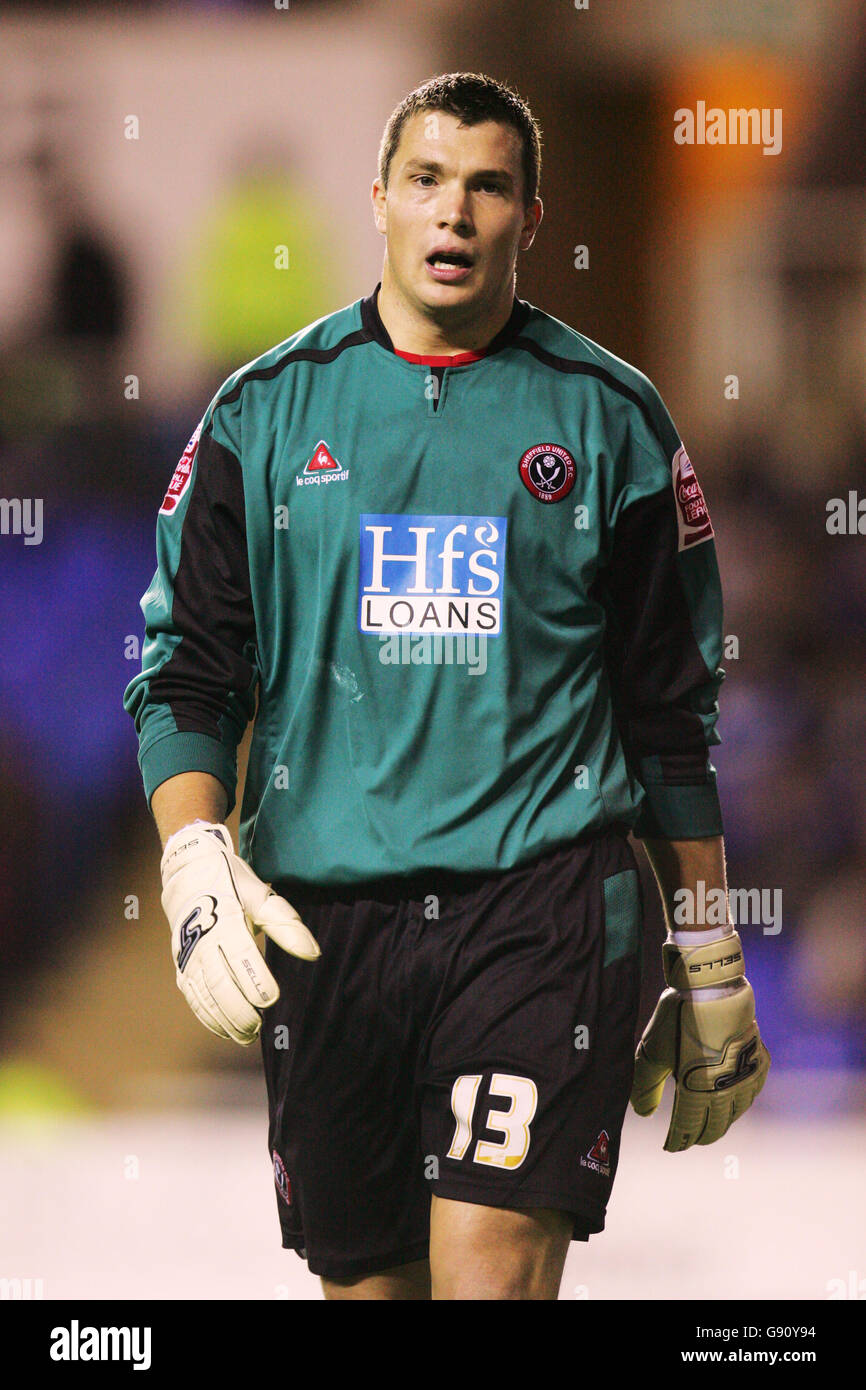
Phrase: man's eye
pixel 493 187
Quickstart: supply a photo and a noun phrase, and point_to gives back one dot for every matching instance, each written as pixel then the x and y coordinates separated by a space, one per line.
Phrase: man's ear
pixel 531 224
pixel 378 210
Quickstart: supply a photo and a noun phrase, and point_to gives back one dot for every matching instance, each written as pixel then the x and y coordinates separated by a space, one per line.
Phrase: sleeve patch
pixel 693 519
pixel 182 473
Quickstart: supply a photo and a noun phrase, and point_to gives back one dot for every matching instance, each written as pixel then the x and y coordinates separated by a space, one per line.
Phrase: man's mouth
pixel 448 258
pixel 449 267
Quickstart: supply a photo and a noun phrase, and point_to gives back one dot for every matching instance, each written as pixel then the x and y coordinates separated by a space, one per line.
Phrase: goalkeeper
pixel 460 556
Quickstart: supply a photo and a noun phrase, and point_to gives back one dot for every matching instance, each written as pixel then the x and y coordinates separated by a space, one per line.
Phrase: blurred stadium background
pixel 151 158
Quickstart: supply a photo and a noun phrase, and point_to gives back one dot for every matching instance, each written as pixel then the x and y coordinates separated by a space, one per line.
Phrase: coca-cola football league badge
pixel 693 519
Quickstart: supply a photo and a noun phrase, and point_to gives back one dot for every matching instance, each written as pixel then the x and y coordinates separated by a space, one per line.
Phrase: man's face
pixel 458 190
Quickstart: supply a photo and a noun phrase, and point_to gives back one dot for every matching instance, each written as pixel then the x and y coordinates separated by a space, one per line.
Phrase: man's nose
pixel 455 209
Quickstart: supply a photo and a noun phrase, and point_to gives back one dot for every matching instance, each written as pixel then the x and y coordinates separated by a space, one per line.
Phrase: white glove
pixel 213 902
pixel 704 1031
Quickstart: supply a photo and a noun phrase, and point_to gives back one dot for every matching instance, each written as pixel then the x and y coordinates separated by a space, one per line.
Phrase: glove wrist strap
pixel 700 936
pixel 188 838
pixel 715 962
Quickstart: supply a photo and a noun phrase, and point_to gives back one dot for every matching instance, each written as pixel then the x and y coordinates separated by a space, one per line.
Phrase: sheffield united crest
pixel 548 471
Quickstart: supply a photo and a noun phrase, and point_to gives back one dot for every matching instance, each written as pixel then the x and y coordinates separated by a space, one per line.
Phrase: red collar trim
pixel 456 361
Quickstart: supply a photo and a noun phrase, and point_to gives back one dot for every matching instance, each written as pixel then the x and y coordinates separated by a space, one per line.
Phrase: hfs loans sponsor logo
pixel 432 574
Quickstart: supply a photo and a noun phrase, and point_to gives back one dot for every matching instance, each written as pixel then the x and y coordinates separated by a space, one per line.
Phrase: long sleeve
pixel 195 693
pixel 664 639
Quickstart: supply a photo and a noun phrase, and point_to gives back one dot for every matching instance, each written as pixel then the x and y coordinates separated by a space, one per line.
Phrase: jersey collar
pixel 376 330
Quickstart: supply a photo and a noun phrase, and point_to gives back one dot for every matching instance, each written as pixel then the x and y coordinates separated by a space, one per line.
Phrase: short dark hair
pixel 473 98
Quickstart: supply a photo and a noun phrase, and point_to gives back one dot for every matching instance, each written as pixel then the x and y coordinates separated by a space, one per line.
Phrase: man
pixel 461 555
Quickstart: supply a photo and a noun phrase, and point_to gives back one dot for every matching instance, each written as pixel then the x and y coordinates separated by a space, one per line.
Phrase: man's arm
pixel 189 796
pixel 664 642
pixel 195 693
pixel 191 703
pixel 683 864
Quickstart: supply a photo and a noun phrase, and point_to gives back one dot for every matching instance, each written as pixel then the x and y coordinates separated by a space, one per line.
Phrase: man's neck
pixel 414 333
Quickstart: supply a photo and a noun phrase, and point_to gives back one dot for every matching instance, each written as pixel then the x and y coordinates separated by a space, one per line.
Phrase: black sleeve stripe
pixel 574 368
pixel 322 356
pixel 212 605
pixel 658 675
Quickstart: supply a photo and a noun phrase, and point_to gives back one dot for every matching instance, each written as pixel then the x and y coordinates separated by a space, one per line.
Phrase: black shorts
pixel 465 1035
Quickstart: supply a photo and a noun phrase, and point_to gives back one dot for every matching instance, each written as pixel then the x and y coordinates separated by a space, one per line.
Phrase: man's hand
pixel 213 901
pixel 704 1032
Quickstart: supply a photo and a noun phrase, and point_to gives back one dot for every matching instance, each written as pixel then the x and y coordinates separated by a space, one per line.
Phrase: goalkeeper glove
pixel 704 1031
pixel 213 902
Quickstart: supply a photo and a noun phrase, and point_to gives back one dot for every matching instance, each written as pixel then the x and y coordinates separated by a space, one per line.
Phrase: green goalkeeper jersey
pixel 473 604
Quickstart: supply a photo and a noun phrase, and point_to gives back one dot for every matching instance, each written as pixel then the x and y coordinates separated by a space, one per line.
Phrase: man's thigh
pixel 410 1282
pixel 476 1252
pixel 479 1252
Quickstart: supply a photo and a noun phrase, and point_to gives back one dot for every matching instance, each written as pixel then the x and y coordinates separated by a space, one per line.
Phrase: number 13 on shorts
pixel 513 1123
